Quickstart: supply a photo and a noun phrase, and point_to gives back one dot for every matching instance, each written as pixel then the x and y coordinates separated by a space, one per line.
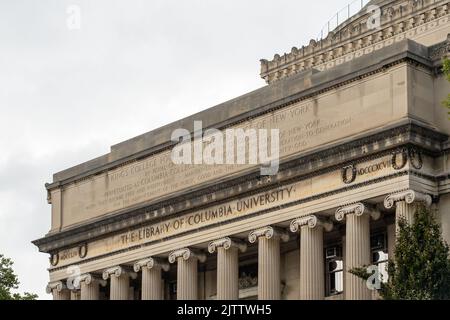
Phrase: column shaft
pixel 312 283
pixel 187 287
pixel 269 286
pixel 152 284
pixel 120 287
pixel 227 273
pixel 357 255
pixel 61 295
pixel 75 295
pixel 90 291
pixel 403 211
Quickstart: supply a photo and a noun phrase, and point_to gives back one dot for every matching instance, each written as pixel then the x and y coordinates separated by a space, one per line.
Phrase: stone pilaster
pixel 151 278
pixel 58 290
pixel 357 253
pixel 120 282
pixel 90 287
pixel 227 267
pixel 187 273
pixel 312 271
pixel 269 281
pixel 404 204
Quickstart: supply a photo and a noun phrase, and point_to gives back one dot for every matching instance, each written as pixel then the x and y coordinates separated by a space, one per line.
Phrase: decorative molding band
pixel 89 278
pixel 258 213
pixel 226 243
pixel 296 170
pixel 150 263
pixel 117 272
pixel 58 286
pixel 186 254
pixel 357 209
pixel 312 222
pixel 268 233
pixel 409 196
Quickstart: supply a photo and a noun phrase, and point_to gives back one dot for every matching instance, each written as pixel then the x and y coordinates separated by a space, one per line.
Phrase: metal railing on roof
pixel 341 16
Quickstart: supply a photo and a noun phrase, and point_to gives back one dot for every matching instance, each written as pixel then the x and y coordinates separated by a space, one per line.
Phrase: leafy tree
pixel 421 266
pixel 446 70
pixel 9 281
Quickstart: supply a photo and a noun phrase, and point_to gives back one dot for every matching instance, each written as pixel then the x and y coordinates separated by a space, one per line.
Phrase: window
pixel 380 257
pixel 334 270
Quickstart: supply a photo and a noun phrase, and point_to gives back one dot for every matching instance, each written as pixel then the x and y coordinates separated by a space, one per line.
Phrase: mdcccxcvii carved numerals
pixel 400 158
pixel 399 161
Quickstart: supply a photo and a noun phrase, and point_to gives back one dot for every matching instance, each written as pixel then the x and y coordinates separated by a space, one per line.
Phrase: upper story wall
pixel 312 111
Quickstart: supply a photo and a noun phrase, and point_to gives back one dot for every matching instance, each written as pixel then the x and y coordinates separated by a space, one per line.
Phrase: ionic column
pixel 269 280
pixel 227 267
pixel 187 273
pixel 151 278
pixel 312 271
pixel 357 253
pixel 75 295
pixel 120 282
pixel 58 290
pixel 404 205
pixel 90 287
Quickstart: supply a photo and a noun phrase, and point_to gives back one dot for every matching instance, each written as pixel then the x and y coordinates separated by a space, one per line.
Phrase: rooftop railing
pixel 341 16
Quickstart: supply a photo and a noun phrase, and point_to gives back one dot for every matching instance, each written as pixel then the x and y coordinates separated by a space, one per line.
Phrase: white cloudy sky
pixel 66 96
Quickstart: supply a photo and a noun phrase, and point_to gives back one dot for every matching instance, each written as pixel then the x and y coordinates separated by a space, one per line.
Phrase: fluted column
pixel 187 273
pixel 227 267
pixel 269 280
pixel 120 282
pixel 90 287
pixel 404 204
pixel 151 278
pixel 312 271
pixel 75 295
pixel 357 253
pixel 59 290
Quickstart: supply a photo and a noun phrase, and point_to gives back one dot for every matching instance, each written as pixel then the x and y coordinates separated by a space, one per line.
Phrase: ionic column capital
pixel 226 243
pixel 89 278
pixel 150 263
pixel 357 209
pixel 409 196
pixel 268 233
pixel 58 285
pixel 185 254
pixel 117 272
pixel 312 222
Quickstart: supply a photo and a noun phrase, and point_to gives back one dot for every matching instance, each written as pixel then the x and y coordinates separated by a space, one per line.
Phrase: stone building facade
pixel 363 138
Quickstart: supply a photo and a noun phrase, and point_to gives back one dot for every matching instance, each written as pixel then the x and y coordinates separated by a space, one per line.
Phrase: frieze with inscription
pixel 229 211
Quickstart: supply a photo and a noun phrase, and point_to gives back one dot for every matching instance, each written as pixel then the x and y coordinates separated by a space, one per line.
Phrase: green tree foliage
pixel 446 70
pixel 421 266
pixel 9 281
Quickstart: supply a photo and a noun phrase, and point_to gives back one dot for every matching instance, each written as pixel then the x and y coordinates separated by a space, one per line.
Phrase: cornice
pixel 256 214
pixel 292 170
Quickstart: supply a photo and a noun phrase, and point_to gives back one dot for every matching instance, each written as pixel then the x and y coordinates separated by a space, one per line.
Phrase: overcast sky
pixel 67 95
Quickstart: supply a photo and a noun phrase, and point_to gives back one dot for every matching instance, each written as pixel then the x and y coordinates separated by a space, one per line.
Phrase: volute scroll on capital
pixel 312 222
pixel 226 243
pixel 409 196
pixel 150 263
pixel 357 209
pixel 89 278
pixel 268 233
pixel 117 272
pixel 58 286
pixel 186 254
